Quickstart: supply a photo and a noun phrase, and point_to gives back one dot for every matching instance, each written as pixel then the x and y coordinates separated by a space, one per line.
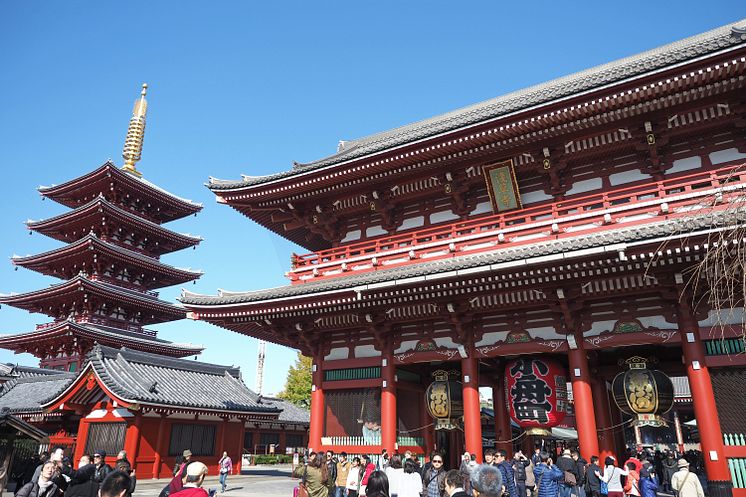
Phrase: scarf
pixel 43 485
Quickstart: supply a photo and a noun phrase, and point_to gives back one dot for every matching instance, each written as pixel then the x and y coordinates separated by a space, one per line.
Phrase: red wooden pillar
pixel 222 427
pixel 132 439
pixel 705 410
pixel 427 431
pixel 585 419
pixel 472 410
pixel 283 440
pixel 388 401
pixel 316 428
pixel 81 439
pixel 503 430
pixel 238 461
pixel 159 447
pixel 603 418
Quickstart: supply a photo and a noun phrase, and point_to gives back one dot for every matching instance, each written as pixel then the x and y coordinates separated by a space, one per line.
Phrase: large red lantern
pixel 536 390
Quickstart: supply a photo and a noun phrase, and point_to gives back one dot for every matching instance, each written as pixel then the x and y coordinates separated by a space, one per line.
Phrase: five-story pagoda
pixel 110 265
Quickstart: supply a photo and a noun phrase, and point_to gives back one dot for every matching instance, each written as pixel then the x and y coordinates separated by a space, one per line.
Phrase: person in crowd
pixel 632 484
pixel 486 481
pixel 102 469
pixel 44 485
pixel 353 477
pixel 506 472
pixel 433 481
pixel 314 475
pixel 593 478
pixel 613 477
pixel 648 483
pixel 195 476
pixel 81 481
pixel 378 485
pixel 536 456
pixel 489 456
pixel 123 464
pixel 394 472
pixel 56 456
pixel 668 469
pixel 342 470
pixel 569 474
pixel 519 465
pixel 331 471
pixel 410 484
pixel 580 467
pixel 530 479
pixel 383 461
pixel 454 484
pixel 116 484
pixel 367 471
pixel 225 465
pixel 465 471
pixel 548 476
pixel 685 482
pixel 408 455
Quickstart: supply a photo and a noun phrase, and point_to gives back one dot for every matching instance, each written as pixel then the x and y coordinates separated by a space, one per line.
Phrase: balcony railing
pixel 548 221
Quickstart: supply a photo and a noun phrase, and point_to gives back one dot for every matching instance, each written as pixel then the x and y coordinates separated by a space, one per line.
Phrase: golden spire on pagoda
pixel 135 134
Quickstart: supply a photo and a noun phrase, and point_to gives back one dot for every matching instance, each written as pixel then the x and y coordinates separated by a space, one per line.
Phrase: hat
pixel 682 463
pixel 187 453
pixel 100 453
pixel 196 469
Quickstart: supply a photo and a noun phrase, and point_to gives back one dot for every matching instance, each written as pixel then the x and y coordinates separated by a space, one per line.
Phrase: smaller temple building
pixel 154 407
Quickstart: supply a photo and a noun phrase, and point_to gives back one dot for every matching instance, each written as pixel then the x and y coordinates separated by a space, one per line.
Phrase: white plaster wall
pixel 375 231
pixel 657 322
pixel 586 186
pixel 598 327
pixel 533 197
pixel 406 345
pixel 545 333
pixel 491 338
pixel 726 155
pixel 685 164
pixel 366 351
pixel 339 353
pixel 482 208
pixel 351 235
pixel 445 342
pixel 727 316
pixel 443 216
pixel 412 222
pixel 627 177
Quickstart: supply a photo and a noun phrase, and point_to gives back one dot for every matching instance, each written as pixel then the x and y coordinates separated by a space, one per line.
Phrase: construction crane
pixel 260 366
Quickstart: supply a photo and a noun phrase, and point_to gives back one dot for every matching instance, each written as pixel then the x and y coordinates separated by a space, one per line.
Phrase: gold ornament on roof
pixel 135 134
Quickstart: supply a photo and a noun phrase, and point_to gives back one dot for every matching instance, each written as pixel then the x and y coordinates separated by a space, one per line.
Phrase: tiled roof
pixel 291 413
pixel 516 255
pixel 27 394
pixel 152 379
pixel 690 48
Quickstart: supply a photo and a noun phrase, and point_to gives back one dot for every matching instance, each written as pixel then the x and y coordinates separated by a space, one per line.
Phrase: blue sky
pixel 249 87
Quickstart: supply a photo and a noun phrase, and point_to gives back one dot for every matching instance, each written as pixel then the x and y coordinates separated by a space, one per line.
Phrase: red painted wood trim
pixel 722 361
pixel 363 362
pixel 348 384
pixel 735 451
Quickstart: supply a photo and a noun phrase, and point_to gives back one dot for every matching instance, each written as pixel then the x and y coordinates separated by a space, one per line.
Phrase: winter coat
pixel 591 477
pixel 580 466
pixel 506 471
pixel 566 463
pixel 669 468
pixel 519 469
pixel 649 486
pixel 687 484
pixel 81 482
pixel 632 485
pixel 101 473
pixel 191 492
pixel 547 480
pixel 316 484
pixel 429 475
pixel 31 489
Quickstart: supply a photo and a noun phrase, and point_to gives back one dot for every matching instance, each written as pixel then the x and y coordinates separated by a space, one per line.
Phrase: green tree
pixel 298 384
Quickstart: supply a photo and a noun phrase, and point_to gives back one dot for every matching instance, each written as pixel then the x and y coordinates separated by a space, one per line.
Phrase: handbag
pixel 570 479
pixel 302 490
pixel 603 485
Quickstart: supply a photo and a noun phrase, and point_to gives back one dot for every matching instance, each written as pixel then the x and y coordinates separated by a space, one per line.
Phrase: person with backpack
pixel 569 473
pixel 685 482
pixel 580 467
pixel 593 478
pixel 519 464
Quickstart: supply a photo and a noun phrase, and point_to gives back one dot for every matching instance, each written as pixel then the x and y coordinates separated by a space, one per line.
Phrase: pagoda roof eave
pixel 350 287
pixel 183 207
pixel 100 335
pixel 180 275
pixel 711 42
pixel 29 300
pixel 50 225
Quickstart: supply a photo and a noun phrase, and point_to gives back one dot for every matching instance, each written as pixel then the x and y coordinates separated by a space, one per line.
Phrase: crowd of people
pixel 326 474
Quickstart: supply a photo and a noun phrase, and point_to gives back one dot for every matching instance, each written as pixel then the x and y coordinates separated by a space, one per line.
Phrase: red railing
pixel 629 205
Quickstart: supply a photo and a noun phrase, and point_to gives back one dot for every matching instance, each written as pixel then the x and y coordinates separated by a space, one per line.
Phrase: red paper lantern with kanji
pixel 536 392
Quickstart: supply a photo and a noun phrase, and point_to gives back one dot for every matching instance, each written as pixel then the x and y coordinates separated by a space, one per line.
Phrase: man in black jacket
pixel 520 463
pixel 568 468
pixel 81 481
pixel 102 469
pixel 581 465
pixel 331 467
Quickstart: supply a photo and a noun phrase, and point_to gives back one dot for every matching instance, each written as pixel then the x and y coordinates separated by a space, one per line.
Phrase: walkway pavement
pixel 270 481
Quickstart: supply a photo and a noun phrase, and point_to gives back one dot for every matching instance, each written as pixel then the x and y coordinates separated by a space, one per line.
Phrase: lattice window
pixel 269 438
pixel 248 440
pixel 108 437
pixel 294 440
pixel 200 439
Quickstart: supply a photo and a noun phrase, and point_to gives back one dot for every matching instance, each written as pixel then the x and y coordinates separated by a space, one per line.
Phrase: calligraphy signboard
pixel 536 392
pixel 502 186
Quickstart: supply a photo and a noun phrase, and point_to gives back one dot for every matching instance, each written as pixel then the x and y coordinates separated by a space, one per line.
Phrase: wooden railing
pixel 735 453
pixel 600 211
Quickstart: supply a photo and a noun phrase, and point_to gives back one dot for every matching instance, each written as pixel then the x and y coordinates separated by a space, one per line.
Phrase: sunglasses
pixel 437 461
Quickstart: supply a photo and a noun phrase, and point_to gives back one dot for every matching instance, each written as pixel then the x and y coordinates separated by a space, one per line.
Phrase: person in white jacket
pixel 410 484
pixel 394 473
pixel 685 482
pixel 353 478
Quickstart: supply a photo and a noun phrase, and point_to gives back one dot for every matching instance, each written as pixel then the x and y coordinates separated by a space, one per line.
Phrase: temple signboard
pixel 502 186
